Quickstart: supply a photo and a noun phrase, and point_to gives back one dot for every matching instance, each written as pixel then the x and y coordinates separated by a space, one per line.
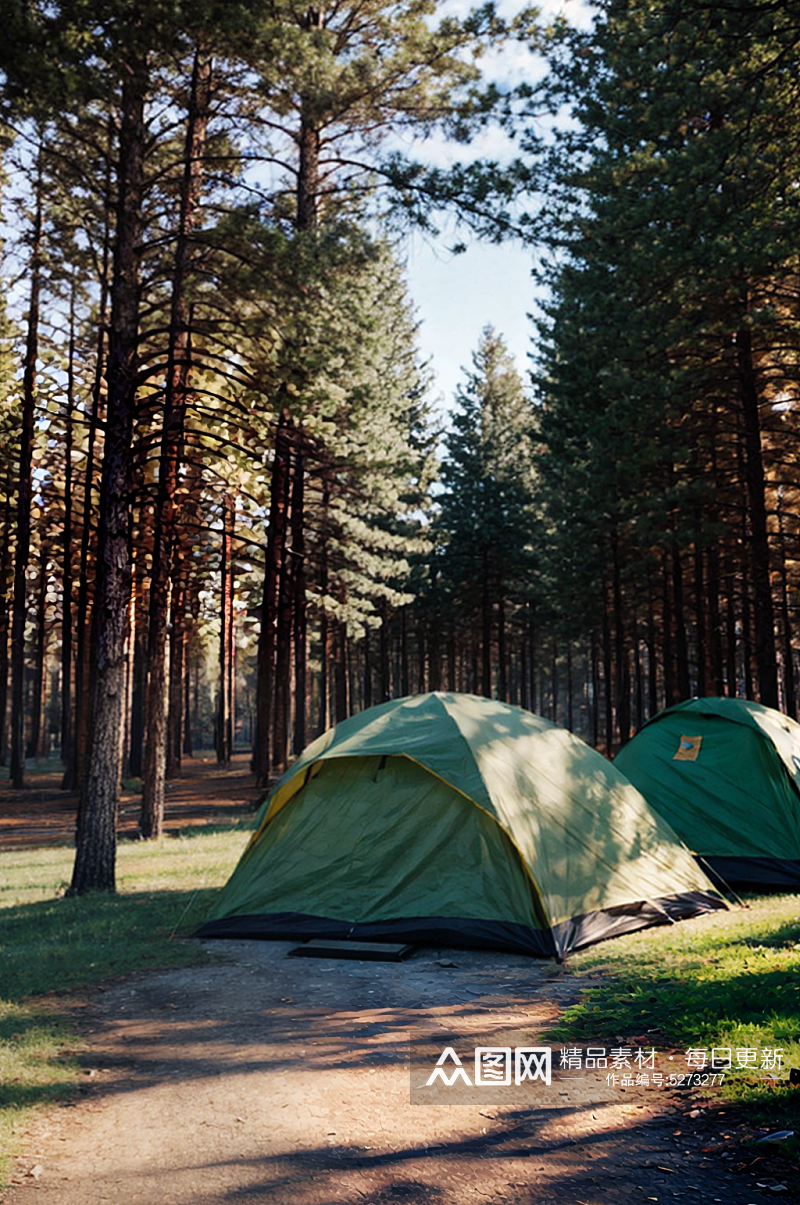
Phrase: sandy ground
pixel 261 1077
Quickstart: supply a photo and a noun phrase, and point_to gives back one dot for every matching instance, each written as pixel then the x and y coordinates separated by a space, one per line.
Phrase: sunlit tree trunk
pixel 151 818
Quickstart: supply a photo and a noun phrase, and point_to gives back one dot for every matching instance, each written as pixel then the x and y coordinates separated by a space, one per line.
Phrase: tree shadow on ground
pixel 288 1043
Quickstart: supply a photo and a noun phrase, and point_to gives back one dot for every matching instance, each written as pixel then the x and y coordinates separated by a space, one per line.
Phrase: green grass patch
pixel 51 944
pixel 729 980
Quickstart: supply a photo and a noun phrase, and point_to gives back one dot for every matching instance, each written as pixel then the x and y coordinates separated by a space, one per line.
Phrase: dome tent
pixel 454 820
pixel 725 773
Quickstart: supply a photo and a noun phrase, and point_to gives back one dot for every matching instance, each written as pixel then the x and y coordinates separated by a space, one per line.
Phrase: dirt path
pixel 267 1078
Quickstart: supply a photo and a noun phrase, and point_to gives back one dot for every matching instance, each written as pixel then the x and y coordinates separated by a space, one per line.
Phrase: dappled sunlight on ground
pixel 204 794
pixel 287 1080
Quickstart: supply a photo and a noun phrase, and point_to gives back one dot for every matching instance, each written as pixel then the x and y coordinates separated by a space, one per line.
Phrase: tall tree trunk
pixel 275 554
pixel 385 660
pixel 638 681
pixel 681 642
pixel 326 650
pixel 225 697
pixel 189 711
pixel 324 685
pixel 486 631
pixel 300 601
pixel 746 609
pixel 434 641
pixel 340 672
pixel 137 645
pixel 95 855
pixel 713 561
pixel 281 705
pixel 39 658
pixel 671 694
pixel 308 147
pixel 531 627
pixel 502 654
pixel 151 818
pixel 74 768
pixel 595 707
pixel 621 660
pixel 405 676
pixel 524 668
pixel 366 687
pixel 24 498
pixel 763 612
pixel 608 677
pixel 177 670
pixel 127 751
pixel 422 684
pixel 652 658
pixel 308 174
pixel 5 573
pixel 715 622
pixel 701 626
pixel 732 682
pixel 66 569
pixel 789 689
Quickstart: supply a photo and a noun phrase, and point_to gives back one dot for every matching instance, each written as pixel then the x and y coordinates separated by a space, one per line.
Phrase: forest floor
pixel 205 793
pixel 295 1081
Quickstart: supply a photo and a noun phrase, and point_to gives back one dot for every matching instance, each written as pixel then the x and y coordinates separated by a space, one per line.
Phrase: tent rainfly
pixel 725 773
pixel 449 819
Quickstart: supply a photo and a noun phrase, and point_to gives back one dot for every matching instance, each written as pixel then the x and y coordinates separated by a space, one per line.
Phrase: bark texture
pixel 95 854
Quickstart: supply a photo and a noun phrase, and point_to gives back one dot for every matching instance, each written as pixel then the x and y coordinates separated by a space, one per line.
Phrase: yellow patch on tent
pixel 689 748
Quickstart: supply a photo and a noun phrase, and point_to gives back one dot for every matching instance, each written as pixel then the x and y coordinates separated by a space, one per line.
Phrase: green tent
pixel 725 773
pixel 450 819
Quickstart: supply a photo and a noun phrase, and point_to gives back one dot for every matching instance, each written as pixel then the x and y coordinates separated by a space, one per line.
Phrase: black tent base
pixel 416 930
pixel 757 874
pixel 467 932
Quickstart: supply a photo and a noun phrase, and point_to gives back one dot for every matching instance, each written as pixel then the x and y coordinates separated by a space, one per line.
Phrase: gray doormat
pixel 368 951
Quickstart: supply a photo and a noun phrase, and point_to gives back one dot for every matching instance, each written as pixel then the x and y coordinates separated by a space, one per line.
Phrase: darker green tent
pixel 450 819
pixel 725 773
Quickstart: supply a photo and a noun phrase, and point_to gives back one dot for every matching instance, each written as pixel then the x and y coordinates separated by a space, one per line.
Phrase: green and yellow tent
pixel 453 820
pixel 725 773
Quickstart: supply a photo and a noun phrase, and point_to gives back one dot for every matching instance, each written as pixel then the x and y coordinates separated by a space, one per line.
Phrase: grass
pixel 51 945
pixel 725 980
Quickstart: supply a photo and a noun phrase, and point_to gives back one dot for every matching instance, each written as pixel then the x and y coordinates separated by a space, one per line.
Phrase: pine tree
pixel 486 510
pixel 671 333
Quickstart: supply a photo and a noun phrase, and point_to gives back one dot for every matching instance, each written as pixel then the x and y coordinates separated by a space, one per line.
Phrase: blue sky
pixel 456 296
